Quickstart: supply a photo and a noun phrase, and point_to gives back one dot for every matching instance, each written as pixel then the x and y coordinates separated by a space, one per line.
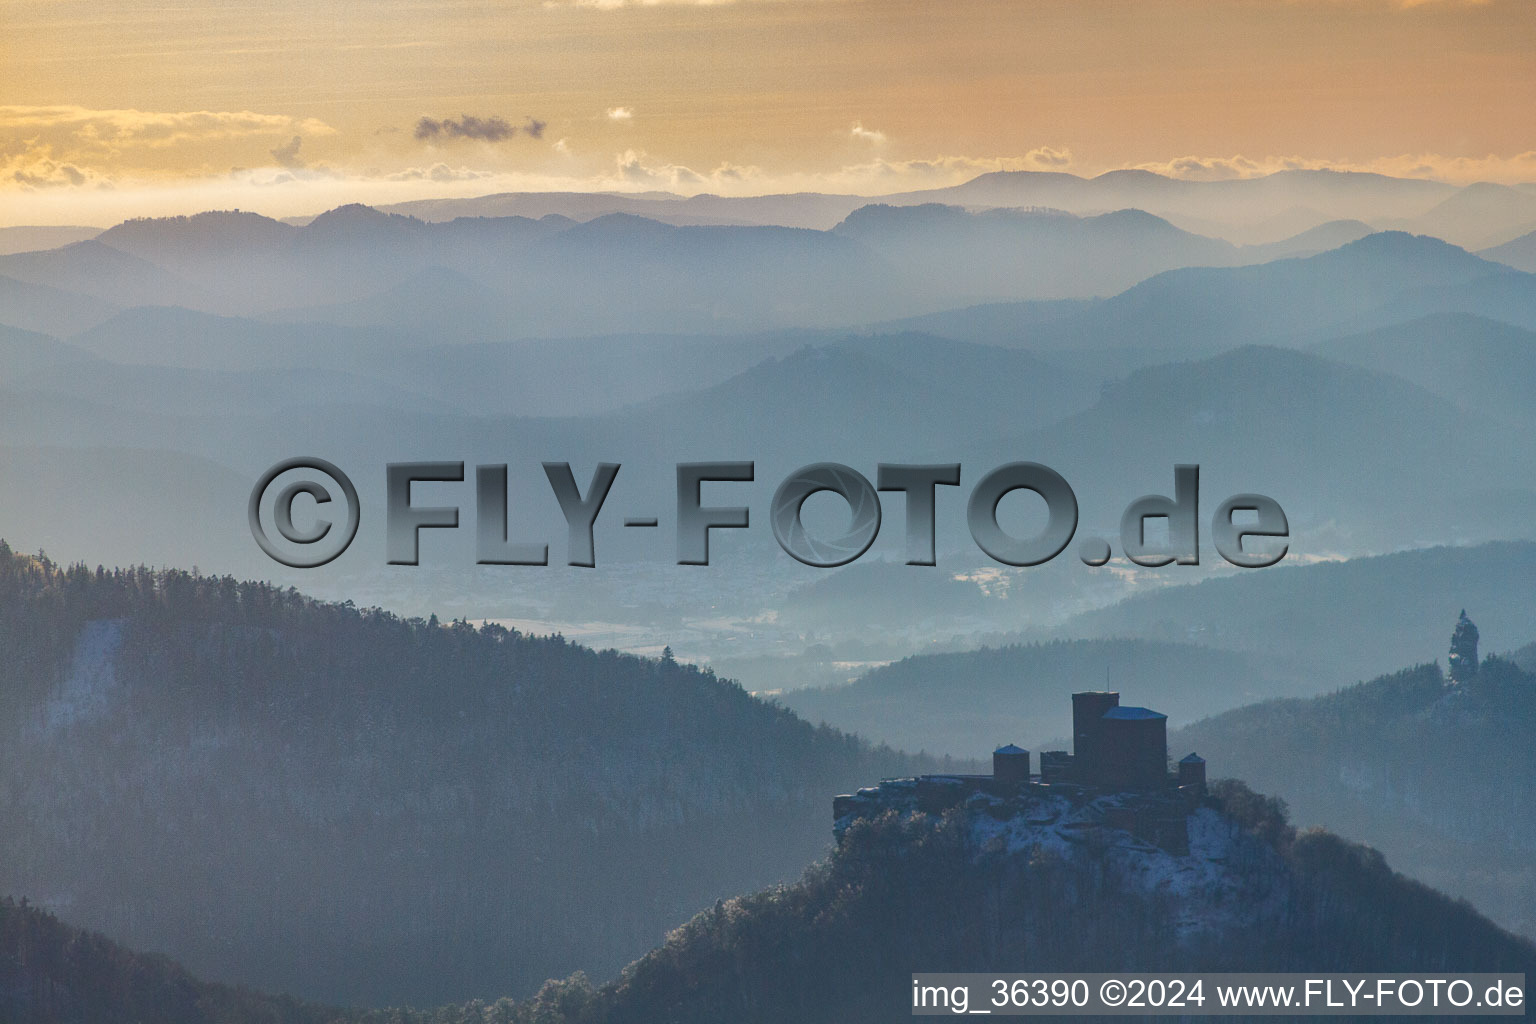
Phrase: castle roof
pixel 1010 749
pixel 1132 714
pixel 1193 758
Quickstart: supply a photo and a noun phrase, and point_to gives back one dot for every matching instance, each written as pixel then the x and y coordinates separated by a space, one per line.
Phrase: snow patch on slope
pixel 1205 893
pixel 87 689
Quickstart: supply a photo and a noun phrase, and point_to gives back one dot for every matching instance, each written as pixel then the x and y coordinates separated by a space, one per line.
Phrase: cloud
pixel 30 165
pixel 438 172
pixel 1205 168
pixel 633 169
pixel 858 131
pixel 82 147
pixel 58 165
pixel 637 169
pixel 534 128
pixel 128 127
pixel 1515 169
pixel 263 177
pixel 486 129
pixel 1046 158
pixel 46 173
pixel 882 175
pixel 287 155
pixel 1520 167
pixel 620 114
pixel 873 177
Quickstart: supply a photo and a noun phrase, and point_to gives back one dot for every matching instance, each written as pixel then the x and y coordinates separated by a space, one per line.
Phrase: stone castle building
pixel 1117 751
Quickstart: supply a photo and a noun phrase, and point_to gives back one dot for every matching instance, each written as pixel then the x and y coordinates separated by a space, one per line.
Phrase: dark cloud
pixel 535 128
pixel 287 155
pixel 488 129
pixel 51 175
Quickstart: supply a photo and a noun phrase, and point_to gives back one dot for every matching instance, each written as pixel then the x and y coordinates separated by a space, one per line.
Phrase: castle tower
pixel 1192 772
pixel 1010 765
pixel 1133 749
pixel 1088 710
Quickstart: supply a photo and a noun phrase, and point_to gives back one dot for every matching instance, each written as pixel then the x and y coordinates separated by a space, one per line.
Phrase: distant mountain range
pixel 107 502
pixel 1478 216
pixel 1438 398
pixel 960 703
pixel 1519 253
pixel 488 279
pixel 1252 211
pixel 1345 451
pixel 1360 618
pixel 1047 254
pixel 349 804
pixel 43 308
pixel 1372 282
pixel 1010 236
pixel 856 399
pixel 1376 384
pixel 860 401
pixel 1192 650
pixel 25 238
pixel 1285 200
pixel 1482 365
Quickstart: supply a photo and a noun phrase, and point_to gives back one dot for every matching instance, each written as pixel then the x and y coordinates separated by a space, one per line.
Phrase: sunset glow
pixel 121 107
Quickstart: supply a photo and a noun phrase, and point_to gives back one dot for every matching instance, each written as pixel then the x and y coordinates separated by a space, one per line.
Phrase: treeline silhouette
pixel 342 803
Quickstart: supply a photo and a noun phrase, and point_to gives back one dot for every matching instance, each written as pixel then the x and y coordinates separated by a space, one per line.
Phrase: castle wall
pixel 1055 766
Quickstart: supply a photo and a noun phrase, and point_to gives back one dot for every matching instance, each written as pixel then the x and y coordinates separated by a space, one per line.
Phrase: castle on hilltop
pixel 1119 761
pixel 1117 748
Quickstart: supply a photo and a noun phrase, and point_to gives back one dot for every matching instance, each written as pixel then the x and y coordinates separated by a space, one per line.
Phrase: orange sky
pixel 111 107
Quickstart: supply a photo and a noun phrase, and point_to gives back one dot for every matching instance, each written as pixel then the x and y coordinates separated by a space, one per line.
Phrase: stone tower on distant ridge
pixel 1463 659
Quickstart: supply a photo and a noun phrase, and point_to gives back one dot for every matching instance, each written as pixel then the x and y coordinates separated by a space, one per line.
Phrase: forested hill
pixel 956 702
pixel 1438 775
pixel 343 804
pixel 55 973
pixel 942 894
pixel 958 891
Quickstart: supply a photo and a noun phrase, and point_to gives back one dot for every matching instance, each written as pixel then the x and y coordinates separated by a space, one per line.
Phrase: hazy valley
pixel 378 785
